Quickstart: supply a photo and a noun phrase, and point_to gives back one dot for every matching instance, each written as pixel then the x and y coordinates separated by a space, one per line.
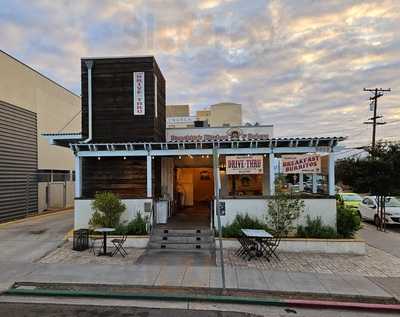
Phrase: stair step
pixel 182 239
pixel 181 246
pixel 158 231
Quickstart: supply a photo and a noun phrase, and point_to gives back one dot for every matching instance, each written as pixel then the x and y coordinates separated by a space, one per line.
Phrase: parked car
pixel 368 210
pixel 351 200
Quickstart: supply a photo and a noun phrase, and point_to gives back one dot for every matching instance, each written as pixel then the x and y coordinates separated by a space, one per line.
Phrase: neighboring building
pixel 177 111
pixel 31 103
pixel 172 176
pixel 225 114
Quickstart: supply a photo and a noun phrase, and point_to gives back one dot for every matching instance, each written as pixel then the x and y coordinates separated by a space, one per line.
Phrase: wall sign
pixel 308 163
pixel 219 134
pixel 138 94
pixel 243 164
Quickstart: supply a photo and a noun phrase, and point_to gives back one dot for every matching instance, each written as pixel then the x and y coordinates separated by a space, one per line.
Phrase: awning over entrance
pixel 275 145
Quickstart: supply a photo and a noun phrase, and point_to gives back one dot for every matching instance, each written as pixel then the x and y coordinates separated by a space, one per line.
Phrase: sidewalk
pixel 239 279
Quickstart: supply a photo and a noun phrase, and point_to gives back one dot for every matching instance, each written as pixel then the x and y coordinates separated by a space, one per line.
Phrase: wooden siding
pixel 126 178
pixel 112 91
pixel 18 162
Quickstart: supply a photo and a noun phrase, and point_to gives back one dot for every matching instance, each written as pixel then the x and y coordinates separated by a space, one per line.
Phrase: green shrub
pixel 315 229
pixel 242 222
pixel 348 222
pixel 107 210
pixel 137 227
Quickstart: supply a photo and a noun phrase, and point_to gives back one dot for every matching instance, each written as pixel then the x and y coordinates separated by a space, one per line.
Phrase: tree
pixel 107 210
pixel 283 209
pixel 378 174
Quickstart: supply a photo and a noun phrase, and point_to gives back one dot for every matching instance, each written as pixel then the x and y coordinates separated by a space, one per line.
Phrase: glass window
pixel 365 201
pixel 245 185
pixel 392 202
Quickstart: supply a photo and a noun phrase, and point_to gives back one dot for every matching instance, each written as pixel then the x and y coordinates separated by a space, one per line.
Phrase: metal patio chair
pixel 94 242
pixel 271 245
pixel 119 246
pixel 248 248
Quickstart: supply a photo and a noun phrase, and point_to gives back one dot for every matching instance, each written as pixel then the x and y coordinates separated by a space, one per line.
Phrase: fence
pixel 25 194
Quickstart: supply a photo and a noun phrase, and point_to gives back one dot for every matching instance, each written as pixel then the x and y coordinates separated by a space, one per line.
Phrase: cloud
pixel 300 65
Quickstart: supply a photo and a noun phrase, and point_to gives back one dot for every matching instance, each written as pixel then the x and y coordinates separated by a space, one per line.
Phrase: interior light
pixel 99 158
pixel 248 154
pixel 180 157
pixel 152 157
pixel 124 157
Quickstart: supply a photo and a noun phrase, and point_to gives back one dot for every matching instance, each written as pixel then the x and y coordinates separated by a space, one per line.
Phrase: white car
pixel 368 210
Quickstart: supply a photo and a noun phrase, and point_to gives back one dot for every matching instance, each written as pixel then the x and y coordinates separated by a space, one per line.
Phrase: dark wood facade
pixel 124 177
pixel 113 121
pixel 112 103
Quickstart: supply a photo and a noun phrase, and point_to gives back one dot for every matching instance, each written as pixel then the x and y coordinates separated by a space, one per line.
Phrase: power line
pixel 378 92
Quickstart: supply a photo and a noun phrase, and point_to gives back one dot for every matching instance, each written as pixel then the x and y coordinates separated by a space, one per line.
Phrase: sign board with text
pixel 244 133
pixel 306 163
pixel 243 164
pixel 138 94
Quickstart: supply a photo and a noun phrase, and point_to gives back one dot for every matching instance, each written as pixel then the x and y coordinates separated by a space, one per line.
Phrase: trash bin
pixel 81 240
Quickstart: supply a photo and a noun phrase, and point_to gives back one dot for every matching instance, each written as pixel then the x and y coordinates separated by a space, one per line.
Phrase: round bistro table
pixel 105 231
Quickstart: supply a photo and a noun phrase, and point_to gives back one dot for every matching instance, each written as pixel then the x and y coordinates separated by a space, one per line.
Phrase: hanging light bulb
pixel 99 158
pixel 124 157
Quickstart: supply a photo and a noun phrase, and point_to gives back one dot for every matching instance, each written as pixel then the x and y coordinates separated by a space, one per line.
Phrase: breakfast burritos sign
pixel 308 163
pixel 239 164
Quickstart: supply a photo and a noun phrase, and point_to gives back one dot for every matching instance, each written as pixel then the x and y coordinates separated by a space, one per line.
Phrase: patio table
pixel 260 237
pixel 105 231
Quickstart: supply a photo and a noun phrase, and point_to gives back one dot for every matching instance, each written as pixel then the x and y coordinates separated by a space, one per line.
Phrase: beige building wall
pixel 203 115
pixel 178 111
pixel 54 105
pixel 225 113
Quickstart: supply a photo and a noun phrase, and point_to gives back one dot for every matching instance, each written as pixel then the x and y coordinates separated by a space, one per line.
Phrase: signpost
pixel 218 211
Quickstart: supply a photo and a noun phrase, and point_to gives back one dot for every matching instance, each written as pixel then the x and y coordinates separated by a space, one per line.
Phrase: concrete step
pixel 182 239
pixel 183 232
pixel 181 246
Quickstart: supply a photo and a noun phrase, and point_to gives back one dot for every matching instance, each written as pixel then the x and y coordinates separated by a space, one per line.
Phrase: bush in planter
pixel 315 229
pixel 348 222
pixel 107 210
pixel 242 222
pixel 136 227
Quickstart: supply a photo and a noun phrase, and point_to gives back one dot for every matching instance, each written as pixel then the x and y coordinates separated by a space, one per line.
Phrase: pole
pixel 374 119
pixel 378 92
pixel 216 192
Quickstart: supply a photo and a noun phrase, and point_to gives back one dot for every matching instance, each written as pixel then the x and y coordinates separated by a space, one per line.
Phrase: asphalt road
pixel 32 238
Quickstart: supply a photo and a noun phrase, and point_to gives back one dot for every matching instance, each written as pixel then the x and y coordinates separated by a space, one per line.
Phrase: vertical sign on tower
pixel 138 93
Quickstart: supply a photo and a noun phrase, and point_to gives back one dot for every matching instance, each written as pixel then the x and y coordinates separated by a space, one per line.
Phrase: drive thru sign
pixel 243 164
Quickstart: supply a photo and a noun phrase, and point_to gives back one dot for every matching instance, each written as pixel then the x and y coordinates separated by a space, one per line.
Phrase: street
pixel 30 239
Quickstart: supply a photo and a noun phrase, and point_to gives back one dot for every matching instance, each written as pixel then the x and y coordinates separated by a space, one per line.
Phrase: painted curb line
pixel 210 298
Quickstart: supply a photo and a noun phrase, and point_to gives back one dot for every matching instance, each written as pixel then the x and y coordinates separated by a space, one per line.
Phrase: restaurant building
pixel 173 175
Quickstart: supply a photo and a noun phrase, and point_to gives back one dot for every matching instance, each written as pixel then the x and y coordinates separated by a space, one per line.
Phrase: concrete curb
pixel 210 298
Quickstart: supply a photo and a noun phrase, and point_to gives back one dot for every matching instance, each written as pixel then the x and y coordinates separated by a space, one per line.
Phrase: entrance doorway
pixel 193 196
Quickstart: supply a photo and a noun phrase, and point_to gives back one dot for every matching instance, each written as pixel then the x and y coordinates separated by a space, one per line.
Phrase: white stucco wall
pixel 83 211
pixel 324 208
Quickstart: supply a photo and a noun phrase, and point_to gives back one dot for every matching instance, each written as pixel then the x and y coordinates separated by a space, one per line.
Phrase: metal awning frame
pixel 276 145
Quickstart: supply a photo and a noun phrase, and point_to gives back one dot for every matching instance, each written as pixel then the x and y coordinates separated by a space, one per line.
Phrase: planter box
pixel 342 246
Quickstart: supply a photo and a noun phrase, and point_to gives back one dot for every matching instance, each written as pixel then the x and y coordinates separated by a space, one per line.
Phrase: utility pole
pixel 378 92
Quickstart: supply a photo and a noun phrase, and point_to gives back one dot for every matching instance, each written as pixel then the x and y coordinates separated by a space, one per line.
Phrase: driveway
pixel 388 241
pixel 30 239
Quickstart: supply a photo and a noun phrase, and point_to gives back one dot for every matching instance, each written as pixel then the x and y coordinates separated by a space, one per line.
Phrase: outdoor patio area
pixel 374 263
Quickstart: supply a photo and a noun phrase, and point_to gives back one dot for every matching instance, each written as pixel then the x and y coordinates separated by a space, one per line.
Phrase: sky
pixel 299 65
